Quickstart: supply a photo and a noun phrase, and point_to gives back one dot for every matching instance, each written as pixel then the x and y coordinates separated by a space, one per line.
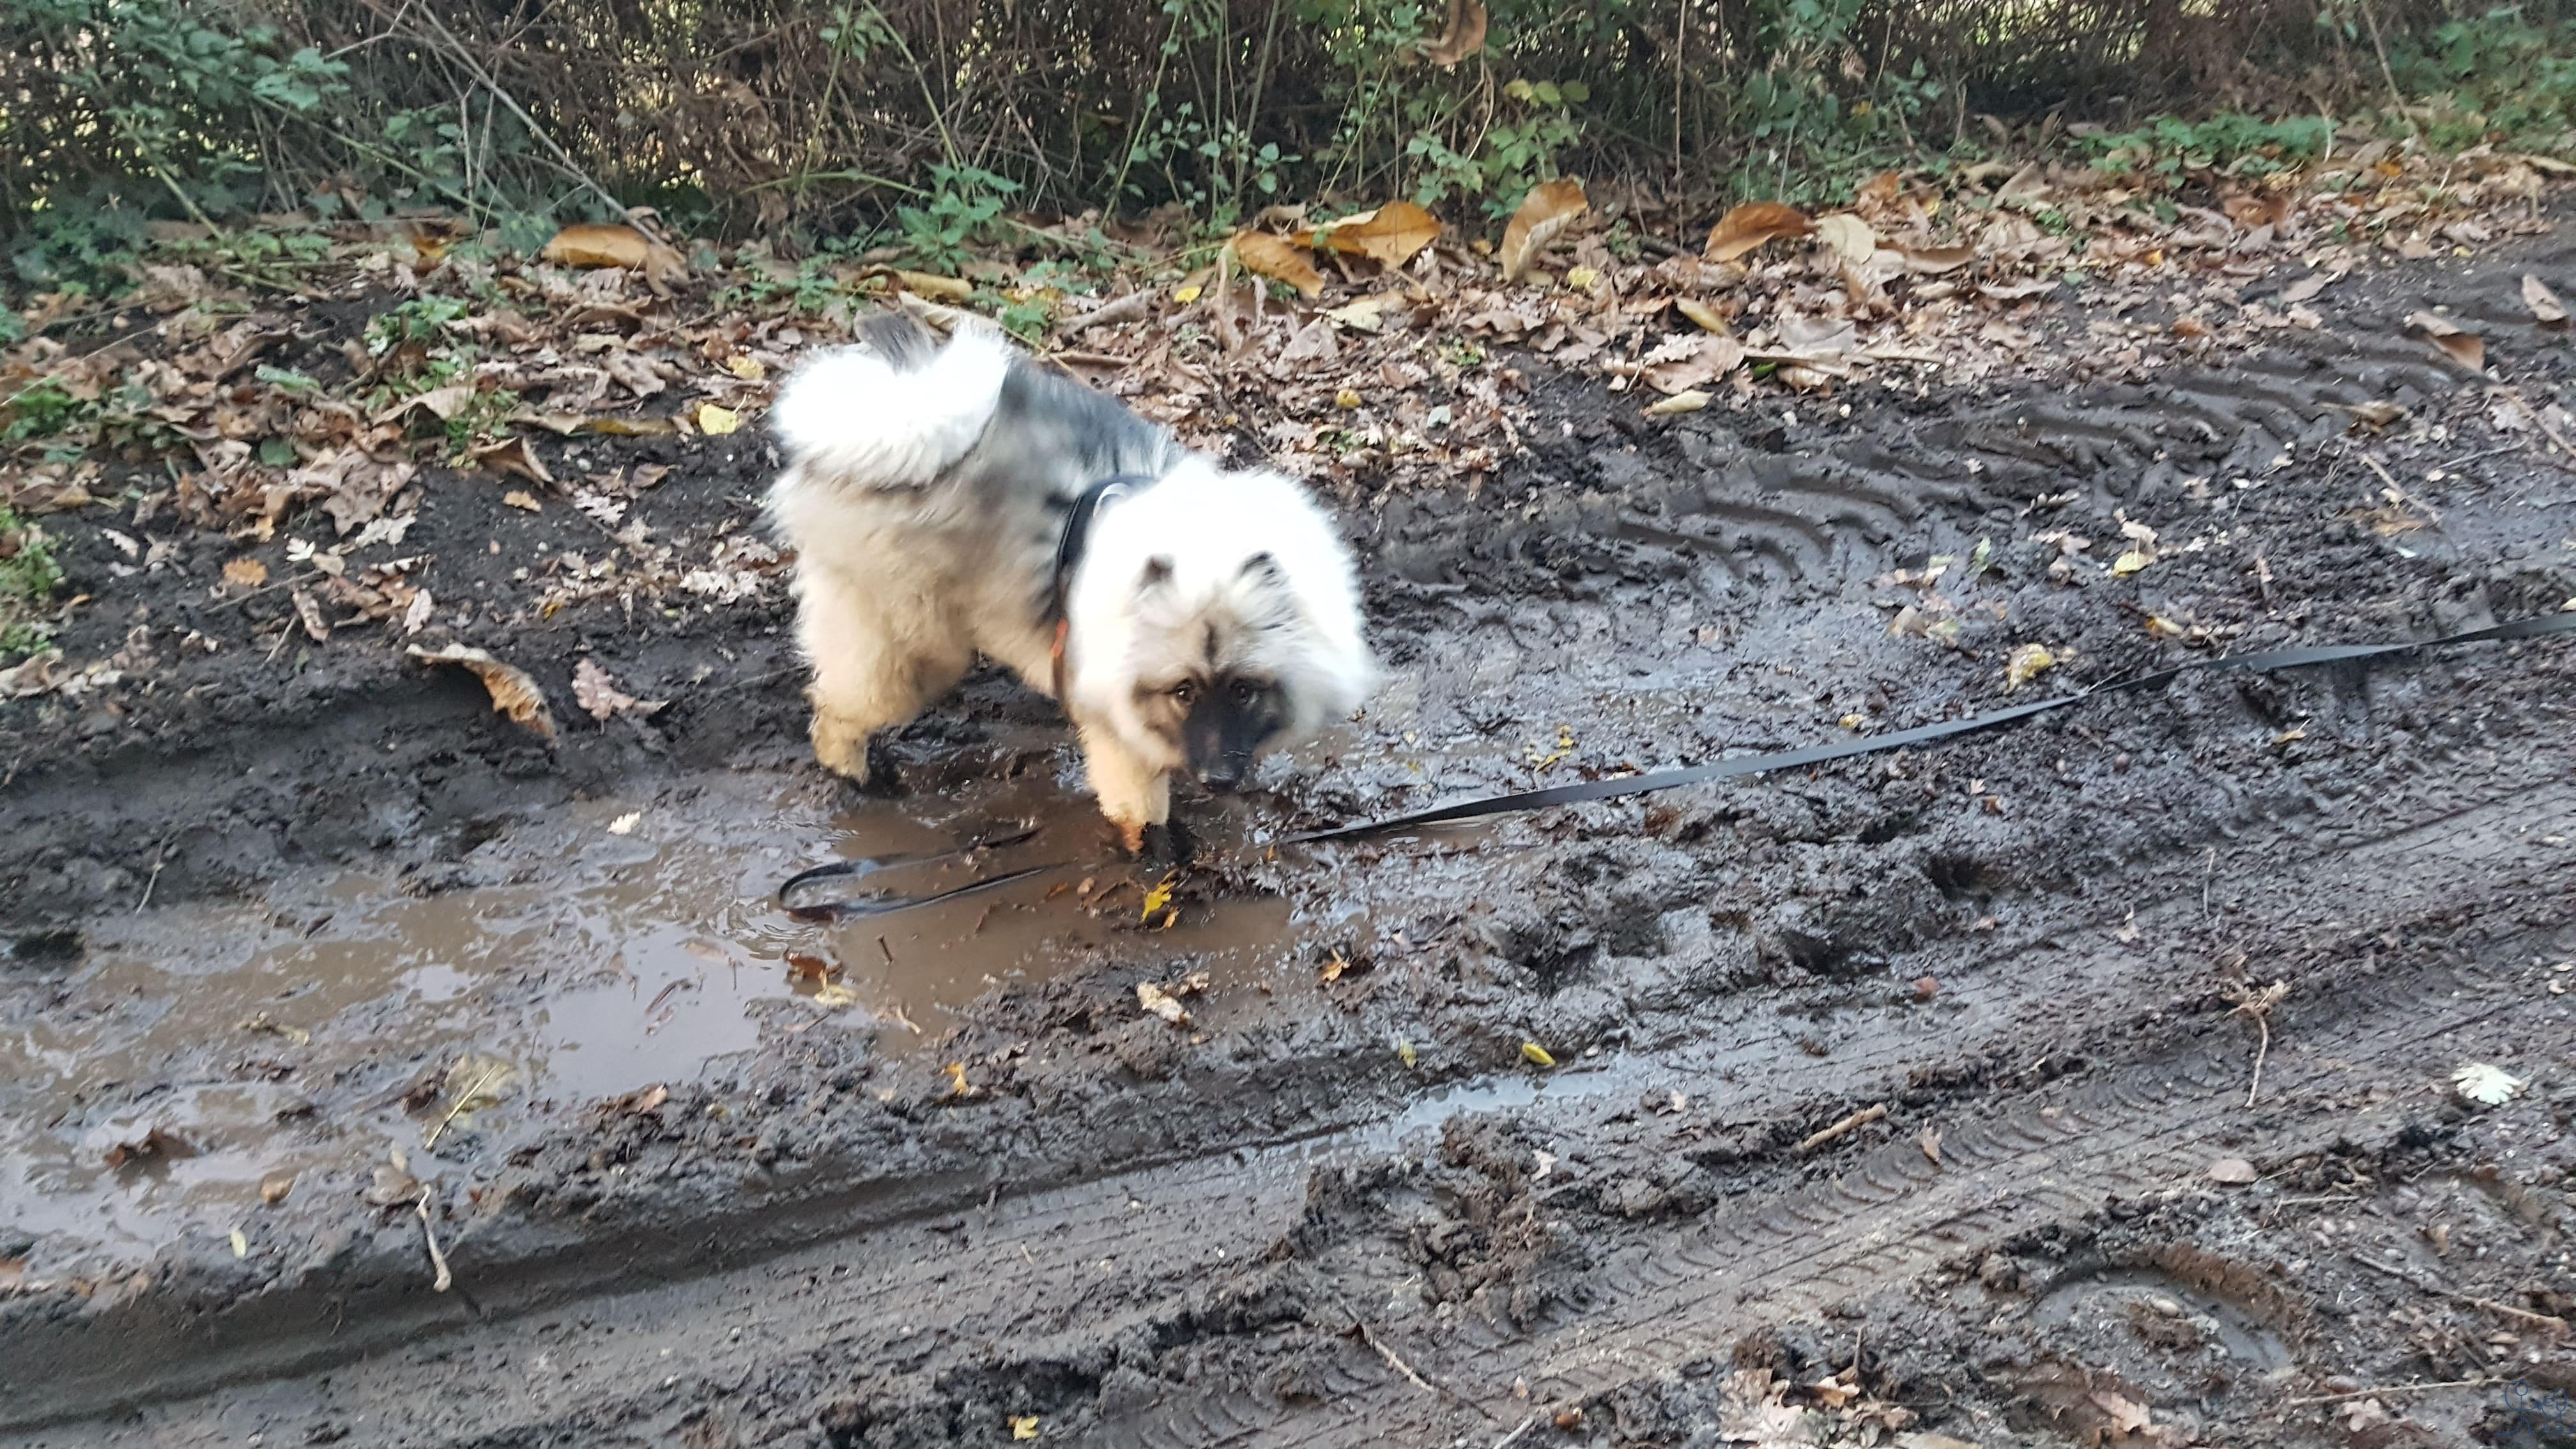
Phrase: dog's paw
pixel 840 747
pixel 1163 843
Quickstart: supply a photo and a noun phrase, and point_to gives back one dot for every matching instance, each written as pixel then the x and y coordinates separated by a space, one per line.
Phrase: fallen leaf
pixel 935 287
pixel 1405 1053
pixel 241 1244
pixel 2465 348
pixel 2026 663
pixel 596 692
pixel 517 498
pixel 1931 1441
pixel 513 456
pixel 716 421
pixel 1749 226
pixel 245 573
pixel 2545 307
pixel 1694 362
pixel 1390 236
pixel 625 824
pixel 1544 214
pixel 2127 1416
pixel 1024 1426
pixel 2485 1084
pixel 594 244
pixel 834 995
pixel 1462 35
pixel 474 1083
pixel 1365 315
pixel 1929 1139
pixel 1537 1055
pixel 274 1187
pixel 1162 1003
pixel 1934 261
pixel 417 612
pixel 309 614
pixel 1850 237
pixel 2233 1171
pixel 648 1099
pixel 513 692
pixel 958 1089
pixel 442 403
pixel 1274 256
pixel 157 1145
pixel 2017 291
pixel 1703 314
pixel 1678 403
pixel 2306 288
pixel 394 1184
pixel 1582 279
pixel 746 367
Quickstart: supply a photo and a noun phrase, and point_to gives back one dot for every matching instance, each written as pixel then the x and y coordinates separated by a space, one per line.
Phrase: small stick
pixel 2554 1324
pixel 2258 1005
pixel 1393 1360
pixel 2390 1389
pixel 1523 1427
pixel 437 1259
pixel 1845 1127
pixel 1123 309
pixel 469 1094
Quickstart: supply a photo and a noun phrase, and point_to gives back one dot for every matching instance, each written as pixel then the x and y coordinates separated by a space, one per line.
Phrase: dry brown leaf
pixel 513 456
pixel 513 692
pixel 2017 291
pixel 596 692
pixel 520 499
pixel 2026 663
pixel 1274 256
pixel 1750 225
pixel 274 1187
pixel 1162 1003
pixel 2127 1416
pixel 245 573
pixel 1709 358
pixel 936 288
pixel 309 614
pixel 1544 214
pixel 1460 37
pixel 1678 403
pixel 2545 307
pixel 594 244
pixel 1850 237
pixel 2234 1171
pixel 159 1144
pixel 444 403
pixel 1391 235
pixel 1934 261
pixel 2465 348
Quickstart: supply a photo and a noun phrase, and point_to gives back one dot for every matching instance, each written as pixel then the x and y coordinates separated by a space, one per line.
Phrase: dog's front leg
pixel 1133 794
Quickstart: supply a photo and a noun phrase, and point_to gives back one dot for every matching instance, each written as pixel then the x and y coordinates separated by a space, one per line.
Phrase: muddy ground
pixel 937 1178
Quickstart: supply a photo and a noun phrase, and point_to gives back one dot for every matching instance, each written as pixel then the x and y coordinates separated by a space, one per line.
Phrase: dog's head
pixel 1220 620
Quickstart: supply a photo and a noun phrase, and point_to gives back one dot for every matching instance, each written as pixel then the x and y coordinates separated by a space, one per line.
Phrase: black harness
pixel 1069 548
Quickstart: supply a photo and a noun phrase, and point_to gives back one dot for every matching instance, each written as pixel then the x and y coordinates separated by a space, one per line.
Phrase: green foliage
pixel 2500 75
pixel 2169 148
pixel 961 215
pixel 28 577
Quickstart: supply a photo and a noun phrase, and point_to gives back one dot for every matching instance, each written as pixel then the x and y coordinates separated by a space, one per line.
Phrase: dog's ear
pixel 1263 567
pixel 1158 572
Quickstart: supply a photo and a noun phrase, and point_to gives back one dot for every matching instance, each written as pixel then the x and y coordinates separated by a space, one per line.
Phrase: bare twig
pixel 2392 1390
pixel 1845 1127
pixel 465 1098
pixel 1394 1360
pixel 2554 1325
pixel 1523 1427
pixel 437 1259
pixel 2257 1004
pixel 1123 309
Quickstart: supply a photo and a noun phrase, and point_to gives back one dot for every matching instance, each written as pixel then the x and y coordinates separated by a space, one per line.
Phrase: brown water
pixel 278 1036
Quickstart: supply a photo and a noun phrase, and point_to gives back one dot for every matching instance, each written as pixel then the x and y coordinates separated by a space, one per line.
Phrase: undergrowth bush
pixel 932 126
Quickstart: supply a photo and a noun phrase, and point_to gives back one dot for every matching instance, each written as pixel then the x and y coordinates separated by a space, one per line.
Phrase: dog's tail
pixel 897 410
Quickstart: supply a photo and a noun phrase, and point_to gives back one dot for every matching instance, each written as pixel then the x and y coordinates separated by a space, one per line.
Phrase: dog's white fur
pixel 924 495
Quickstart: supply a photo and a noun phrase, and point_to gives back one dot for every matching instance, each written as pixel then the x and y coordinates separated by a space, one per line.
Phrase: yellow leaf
pixel 517 499
pixel 1162 1003
pixel 2026 663
pixel 715 422
pixel 1404 1053
pixel 2131 562
pixel 1689 400
pixel 1390 236
pixel 241 1245
pixel 1537 1055
pixel 1546 212
pixel 1462 36
pixel 1186 295
pixel 1276 257
pixel 1750 225
pixel 1702 313
pixel 513 692
pixel 1348 397
pixel 937 288
pixel 1159 897
pixel 1582 279
pixel 596 245
pixel 1025 1427
pixel 746 367
pixel 1849 236
pixel 245 573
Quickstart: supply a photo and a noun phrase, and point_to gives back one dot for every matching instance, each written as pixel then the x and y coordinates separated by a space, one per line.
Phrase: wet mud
pixel 906 1179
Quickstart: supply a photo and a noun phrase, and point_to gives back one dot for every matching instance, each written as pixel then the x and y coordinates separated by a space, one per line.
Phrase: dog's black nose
pixel 1222 779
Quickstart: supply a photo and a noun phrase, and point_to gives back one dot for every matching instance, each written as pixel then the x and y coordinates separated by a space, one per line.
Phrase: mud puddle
pixel 194 1060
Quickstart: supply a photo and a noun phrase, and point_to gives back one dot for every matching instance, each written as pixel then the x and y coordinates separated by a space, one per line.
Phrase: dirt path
pixel 1342 1206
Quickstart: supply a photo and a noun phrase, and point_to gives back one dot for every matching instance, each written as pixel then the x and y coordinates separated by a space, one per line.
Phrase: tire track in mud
pixel 1032 1277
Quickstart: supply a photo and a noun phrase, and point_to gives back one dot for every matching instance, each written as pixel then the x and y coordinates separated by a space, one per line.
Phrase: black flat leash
pixel 1069 548
pixel 2260 662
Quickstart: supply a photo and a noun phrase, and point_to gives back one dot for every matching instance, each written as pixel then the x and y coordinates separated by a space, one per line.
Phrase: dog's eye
pixel 1244 693
pixel 1185 691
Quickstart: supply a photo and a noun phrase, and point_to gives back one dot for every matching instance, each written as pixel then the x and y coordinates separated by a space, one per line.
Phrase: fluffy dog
pixel 946 501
